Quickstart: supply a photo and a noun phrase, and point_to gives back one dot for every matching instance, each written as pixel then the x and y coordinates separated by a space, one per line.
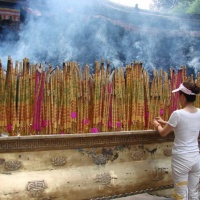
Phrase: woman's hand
pixel 156 123
pixel 163 131
pixel 160 120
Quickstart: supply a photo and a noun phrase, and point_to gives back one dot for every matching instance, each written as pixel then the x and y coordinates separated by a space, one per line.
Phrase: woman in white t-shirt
pixel 185 153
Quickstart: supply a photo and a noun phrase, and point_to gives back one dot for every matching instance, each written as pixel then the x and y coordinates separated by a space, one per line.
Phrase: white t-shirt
pixel 186 130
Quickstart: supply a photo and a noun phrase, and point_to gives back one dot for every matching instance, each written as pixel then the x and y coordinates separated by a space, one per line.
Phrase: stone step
pixel 144 196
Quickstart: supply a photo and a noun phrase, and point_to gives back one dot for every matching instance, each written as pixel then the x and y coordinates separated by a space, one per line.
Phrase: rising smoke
pixel 86 31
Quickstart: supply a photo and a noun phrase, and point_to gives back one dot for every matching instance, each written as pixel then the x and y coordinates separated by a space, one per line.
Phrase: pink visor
pixel 183 89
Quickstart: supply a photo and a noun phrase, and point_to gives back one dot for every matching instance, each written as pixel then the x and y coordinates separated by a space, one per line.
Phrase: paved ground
pixel 144 196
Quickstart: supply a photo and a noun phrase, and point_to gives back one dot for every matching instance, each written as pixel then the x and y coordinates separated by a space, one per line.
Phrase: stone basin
pixel 84 166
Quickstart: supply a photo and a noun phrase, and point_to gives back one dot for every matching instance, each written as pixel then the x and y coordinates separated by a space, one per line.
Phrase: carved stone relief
pixel 2 161
pixel 99 159
pixel 68 142
pixel 105 178
pixel 103 155
pixel 159 174
pixel 152 152
pixel 58 161
pixel 13 165
pixel 167 152
pixel 137 155
pixel 36 188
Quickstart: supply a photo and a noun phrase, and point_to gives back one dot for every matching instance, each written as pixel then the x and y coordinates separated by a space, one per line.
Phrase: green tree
pixel 181 7
pixel 194 8
pixel 177 6
pixel 163 5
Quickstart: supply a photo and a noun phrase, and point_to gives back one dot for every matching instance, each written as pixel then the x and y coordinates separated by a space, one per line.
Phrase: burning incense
pixel 70 100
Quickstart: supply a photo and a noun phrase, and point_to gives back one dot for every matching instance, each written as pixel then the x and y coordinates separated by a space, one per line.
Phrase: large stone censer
pixel 84 166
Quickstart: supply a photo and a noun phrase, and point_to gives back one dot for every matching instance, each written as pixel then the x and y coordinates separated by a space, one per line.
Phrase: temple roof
pixel 153 20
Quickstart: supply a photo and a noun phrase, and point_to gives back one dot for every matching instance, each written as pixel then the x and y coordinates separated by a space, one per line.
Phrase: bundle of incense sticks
pixel 67 98
pixel 71 100
pixel 120 100
pixel 106 108
pixel 197 81
pixel 97 99
pixel 104 90
pixel 166 92
pixel 86 100
pixel 146 99
pixel 153 98
pixel 3 117
pixel 38 100
pixel 117 102
pixel 26 106
pixel 128 99
pixel 184 74
pixel 9 98
pixel 140 109
pixel 13 120
pixel 113 102
pixel 176 79
pixel 79 99
pixel 54 91
pixel 75 94
pixel 132 90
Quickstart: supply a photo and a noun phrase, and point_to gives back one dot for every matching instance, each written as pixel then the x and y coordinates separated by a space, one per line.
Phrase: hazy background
pixel 86 31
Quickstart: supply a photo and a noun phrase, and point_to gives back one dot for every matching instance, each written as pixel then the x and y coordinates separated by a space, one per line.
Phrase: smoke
pixel 86 31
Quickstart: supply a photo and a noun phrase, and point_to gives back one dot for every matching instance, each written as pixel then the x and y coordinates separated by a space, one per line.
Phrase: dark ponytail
pixel 193 88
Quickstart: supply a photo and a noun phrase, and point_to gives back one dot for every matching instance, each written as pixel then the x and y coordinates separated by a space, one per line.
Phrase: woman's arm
pixel 163 131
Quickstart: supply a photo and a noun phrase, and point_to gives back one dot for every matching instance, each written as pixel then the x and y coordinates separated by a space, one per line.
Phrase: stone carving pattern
pixel 167 152
pixel 2 161
pixel 58 161
pixel 159 174
pixel 104 179
pixel 107 154
pixel 137 155
pixel 12 165
pixel 76 142
pixel 99 159
pixel 152 152
pixel 36 188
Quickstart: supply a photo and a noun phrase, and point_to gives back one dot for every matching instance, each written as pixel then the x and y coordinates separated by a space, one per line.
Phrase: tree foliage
pixel 163 5
pixel 194 7
pixel 177 6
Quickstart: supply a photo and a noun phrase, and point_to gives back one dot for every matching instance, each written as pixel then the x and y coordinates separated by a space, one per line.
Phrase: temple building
pixel 130 18
pixel 10 13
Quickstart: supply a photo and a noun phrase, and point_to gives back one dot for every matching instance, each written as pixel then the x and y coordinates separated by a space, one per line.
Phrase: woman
pixel 185 153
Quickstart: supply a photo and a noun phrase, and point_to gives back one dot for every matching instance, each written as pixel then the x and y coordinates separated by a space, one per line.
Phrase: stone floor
pixel 144 196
